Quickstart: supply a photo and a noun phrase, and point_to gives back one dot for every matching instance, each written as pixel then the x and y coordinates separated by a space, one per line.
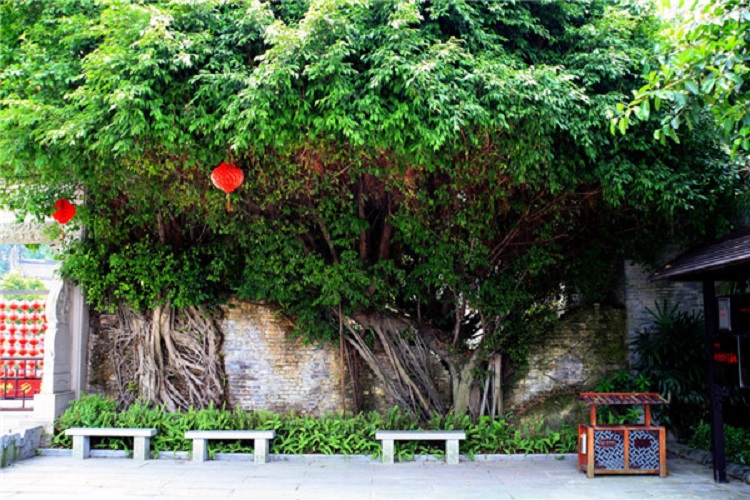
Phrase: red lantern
pixel 65 211
pixel 227 177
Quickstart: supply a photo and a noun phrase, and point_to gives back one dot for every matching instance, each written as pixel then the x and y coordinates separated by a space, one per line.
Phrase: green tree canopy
pixel 439 167
pixel 14 281
pixel 702 67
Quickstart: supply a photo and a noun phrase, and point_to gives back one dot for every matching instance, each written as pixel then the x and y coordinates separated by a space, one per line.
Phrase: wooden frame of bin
pixel 586 432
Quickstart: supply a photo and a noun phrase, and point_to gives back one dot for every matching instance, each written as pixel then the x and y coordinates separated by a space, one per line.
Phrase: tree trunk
pixel 407 369
pixel 462 381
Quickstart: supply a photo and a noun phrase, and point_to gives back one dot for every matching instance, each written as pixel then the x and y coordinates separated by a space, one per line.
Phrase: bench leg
pixel 81 447
pixel 451 451
pixel 260 451
pixel 141 448
pixel 388 451
pixel 200 450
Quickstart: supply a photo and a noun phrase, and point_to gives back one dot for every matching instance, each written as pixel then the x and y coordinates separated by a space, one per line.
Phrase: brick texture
pixel 268 368
pixel 584 346
pixel 642 295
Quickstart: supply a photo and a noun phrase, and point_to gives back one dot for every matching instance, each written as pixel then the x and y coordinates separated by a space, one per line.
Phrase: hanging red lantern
pixel 227 177
pixel 65 211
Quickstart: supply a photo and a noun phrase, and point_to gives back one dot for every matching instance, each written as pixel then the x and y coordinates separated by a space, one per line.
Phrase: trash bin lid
pixel 623 398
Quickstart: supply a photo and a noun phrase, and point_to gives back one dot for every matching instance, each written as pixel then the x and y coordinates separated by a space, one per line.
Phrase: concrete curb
pixel 241 457
pixel 737 471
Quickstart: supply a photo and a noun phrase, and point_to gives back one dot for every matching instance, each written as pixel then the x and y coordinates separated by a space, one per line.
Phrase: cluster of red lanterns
pixel 22 327
pixel 227 177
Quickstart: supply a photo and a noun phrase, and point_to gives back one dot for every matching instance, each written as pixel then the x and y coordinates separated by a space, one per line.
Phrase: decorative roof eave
pixel 622 398
pixel 726 259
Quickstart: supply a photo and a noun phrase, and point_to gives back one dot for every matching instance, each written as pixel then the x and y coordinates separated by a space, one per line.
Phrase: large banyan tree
pixel 425 181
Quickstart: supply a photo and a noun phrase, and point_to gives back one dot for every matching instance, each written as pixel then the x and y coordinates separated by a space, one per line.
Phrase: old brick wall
pixel 642 295
pixel 102 378
pixel 268 368
pixel 586 345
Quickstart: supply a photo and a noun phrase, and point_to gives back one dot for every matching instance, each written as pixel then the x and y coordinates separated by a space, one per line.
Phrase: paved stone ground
pixel 61 478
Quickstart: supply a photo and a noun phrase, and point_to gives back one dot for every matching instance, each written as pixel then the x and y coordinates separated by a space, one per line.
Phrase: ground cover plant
pixel 295 434
pixel 736 441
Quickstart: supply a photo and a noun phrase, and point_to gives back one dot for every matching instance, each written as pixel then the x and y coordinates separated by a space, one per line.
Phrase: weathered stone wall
pixel 101 369
pixel 586 345
pixel 590 344
pixel 268 368
pixel 20 445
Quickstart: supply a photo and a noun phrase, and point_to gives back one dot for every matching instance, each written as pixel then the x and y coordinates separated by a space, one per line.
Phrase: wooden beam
pixel 711 309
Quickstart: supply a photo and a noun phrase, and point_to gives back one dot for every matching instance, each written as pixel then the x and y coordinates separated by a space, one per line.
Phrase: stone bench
pixel 82 439
pixel 261 438
pixel 451 439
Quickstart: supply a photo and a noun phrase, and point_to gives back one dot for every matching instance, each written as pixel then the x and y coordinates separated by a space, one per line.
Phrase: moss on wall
pixel 585 346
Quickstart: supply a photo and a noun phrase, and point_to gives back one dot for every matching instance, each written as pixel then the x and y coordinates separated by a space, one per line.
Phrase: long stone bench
pixel 451 439
pixel 82 439
pixel 261 444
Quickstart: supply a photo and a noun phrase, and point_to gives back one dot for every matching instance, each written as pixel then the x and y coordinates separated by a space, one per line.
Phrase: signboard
pixel 726 360
pixel 743 355
pixel 734 314
pixel 20 388
pixel 725 314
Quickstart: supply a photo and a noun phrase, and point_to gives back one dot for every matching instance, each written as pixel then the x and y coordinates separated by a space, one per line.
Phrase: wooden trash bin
pixel 626 448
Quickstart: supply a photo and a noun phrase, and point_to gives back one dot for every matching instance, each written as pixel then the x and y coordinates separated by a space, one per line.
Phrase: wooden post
pixel 342 360
pixel 662 452
pixel 590 462
pixel 647 414
pixel 593 414
pixel 711 308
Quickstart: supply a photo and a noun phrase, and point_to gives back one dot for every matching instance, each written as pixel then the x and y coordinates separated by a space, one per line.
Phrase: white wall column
pixel 65 355
pixel 66 339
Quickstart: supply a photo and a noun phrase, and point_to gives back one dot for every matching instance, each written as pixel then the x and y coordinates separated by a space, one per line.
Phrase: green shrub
pixel 331 434
pixel 736 442
pixel 88 411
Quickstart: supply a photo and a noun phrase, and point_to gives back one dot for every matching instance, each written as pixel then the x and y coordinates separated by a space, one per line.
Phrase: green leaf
pixel 623 124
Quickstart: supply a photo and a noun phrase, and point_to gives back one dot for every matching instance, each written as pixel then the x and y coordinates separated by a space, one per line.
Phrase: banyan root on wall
pixel 268 368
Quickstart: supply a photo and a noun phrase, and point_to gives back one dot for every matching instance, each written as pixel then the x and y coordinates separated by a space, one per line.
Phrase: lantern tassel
pixel 228 207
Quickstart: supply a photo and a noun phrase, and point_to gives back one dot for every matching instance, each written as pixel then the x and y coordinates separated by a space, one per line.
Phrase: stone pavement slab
pixel 61 477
